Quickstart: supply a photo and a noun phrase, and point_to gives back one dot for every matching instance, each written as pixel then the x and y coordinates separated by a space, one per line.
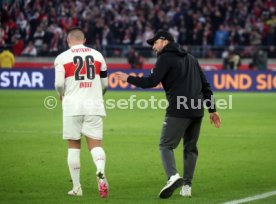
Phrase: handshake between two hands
pixel 121 76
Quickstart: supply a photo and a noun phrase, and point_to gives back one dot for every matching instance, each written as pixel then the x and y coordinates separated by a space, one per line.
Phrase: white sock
pixel 73 160
pixel 98 156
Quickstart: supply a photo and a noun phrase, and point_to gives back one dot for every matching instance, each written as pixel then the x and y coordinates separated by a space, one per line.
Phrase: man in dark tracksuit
pixel 186 89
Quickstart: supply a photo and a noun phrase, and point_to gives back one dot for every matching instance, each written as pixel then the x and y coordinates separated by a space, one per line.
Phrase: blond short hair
pixel 76 34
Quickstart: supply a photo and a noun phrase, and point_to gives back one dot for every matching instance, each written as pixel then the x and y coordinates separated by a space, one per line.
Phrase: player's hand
pixel 215 119
pixel 121 76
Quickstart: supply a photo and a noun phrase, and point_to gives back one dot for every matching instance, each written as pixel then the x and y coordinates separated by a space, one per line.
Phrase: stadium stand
pixel 206 28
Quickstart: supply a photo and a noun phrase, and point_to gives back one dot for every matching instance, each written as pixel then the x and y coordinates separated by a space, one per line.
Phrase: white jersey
pixel 77 79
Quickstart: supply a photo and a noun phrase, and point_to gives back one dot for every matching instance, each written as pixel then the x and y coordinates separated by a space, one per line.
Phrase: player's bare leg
pixel 98 155
pixel 74 144
pixel 92 143
pixel 73 160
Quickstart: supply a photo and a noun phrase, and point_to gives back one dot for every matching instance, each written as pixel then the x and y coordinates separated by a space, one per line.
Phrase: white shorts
pixel 88 125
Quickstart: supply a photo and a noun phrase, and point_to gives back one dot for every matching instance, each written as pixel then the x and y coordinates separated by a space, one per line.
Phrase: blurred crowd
pixel 36 27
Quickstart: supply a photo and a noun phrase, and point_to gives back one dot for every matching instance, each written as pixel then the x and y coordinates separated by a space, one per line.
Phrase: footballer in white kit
pixel 81 81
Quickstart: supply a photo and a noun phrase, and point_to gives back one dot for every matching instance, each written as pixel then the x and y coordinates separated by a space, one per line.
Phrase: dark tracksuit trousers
pixel 173 130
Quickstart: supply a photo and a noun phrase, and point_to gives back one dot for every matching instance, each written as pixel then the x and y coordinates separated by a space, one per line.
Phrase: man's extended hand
pixel 214 118
pixel 121 76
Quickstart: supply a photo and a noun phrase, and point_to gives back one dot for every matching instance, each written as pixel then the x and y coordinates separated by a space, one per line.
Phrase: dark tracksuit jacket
pixel 181 76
